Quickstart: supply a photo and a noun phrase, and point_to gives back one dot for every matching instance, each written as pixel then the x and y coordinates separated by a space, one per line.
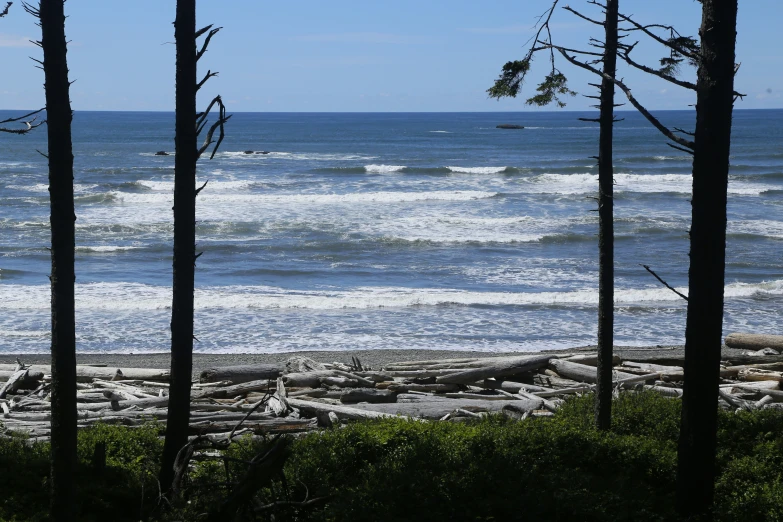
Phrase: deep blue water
pixel 385 231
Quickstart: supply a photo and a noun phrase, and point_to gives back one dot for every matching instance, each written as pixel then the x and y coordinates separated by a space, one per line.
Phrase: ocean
pixel 392 230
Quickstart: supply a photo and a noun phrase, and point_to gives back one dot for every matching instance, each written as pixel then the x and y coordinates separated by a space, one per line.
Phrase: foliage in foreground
pixel 494 469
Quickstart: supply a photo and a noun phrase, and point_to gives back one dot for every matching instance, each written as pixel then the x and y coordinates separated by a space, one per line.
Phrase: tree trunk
pixel 715 87
pixel 184 239
pixel 603 395
pixel 58 114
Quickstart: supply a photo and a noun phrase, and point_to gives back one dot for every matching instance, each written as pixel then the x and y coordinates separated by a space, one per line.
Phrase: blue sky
pixel 308 55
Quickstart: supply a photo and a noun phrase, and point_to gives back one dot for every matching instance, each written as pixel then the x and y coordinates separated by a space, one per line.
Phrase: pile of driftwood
pixel 302 394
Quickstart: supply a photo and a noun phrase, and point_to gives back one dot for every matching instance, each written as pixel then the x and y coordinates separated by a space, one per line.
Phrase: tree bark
pixel 603 394
pixel 59 116
pixel 715 87
pixel 184 238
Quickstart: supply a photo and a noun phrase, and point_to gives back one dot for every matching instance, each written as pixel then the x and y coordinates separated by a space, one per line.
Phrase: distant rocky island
pixel 509 126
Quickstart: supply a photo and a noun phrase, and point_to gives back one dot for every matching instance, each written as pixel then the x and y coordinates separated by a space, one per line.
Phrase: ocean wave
pixel 136 296
pixel 297 156
pixel 319 199
pixel 569 184
pixel 106 248
pixel 382 169
pixel 43 188
pixel 221 186
pixel 478 170
pixel 441 131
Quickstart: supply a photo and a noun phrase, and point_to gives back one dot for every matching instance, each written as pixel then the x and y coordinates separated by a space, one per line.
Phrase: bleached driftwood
pixel 504 368
pixel 746 341
pixel 409 387
pixel 590 359
pixel 755 374
pixel 370 395
pixel 314 379
pixel 582 372
pixel 343 412
pixel 242 373
pixel 436 409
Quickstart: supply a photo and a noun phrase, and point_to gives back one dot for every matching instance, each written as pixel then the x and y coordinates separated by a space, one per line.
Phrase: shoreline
pixel 371 358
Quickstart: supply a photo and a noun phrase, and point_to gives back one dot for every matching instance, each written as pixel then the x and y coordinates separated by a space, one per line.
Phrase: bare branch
pixel 672 145
pixel 209 75
pixel 646 30
pixel 203 49
pixel 219 124
pixel 30 124
pixel 203 30
pixel 639 107
pixel 664 282
pixel 5 11
pixel 625 55
pixel 580 15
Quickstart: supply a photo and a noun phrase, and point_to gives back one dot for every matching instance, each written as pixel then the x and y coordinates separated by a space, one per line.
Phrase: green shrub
pixel 558 468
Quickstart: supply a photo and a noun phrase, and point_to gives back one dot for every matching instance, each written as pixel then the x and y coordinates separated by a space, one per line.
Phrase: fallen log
pixel 755 374
pixel 551 380
pixel 370 395
pixel 501 368
pixel 232 391
pixel 242 373
pixel 755 342
pixel 85 373
pixel 436 409
pixel 434 388
pixel 731 372
pixel 21 373
pixel 270 425
pixel 314 379
pixel 591 359
pixel 343 412
pixel 582 372
pixel 658 368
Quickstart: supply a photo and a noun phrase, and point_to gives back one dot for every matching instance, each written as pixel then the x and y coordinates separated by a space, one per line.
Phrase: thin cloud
pixel 8 40
pixel 520 28
pixel 509 29
pixel 373 38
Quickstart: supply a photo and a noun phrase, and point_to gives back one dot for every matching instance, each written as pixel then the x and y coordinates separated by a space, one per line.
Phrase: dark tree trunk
pixel 715 86
pixel 184 238
pixel 58 114
pixel 603 396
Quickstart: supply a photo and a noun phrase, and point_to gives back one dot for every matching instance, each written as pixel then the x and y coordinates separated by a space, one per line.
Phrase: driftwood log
pixel 496 369
pixel 754 342
pixel 242 373
pixel 582 372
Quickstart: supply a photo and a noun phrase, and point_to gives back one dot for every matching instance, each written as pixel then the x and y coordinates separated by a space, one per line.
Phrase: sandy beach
pixel 371 358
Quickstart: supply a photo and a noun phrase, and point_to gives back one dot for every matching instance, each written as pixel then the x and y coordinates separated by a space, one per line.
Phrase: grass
pixel 390 470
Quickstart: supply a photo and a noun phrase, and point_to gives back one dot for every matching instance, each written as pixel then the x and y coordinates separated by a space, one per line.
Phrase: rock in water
pixel 162 153
pixel 509 126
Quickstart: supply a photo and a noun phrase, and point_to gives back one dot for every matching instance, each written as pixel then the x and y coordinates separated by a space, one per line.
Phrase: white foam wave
pixel 382 169
pixel 297 156
pixel 207 198
pixel 639 183
pixel 221 186
pixel 441 131
pixel 43 188
pixel 135 296
pixel 105 248
pixel 477 170
pixel 761 227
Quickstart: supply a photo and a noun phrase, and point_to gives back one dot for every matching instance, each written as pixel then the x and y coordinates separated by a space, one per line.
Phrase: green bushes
pixel 557 468
pixel 489 470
